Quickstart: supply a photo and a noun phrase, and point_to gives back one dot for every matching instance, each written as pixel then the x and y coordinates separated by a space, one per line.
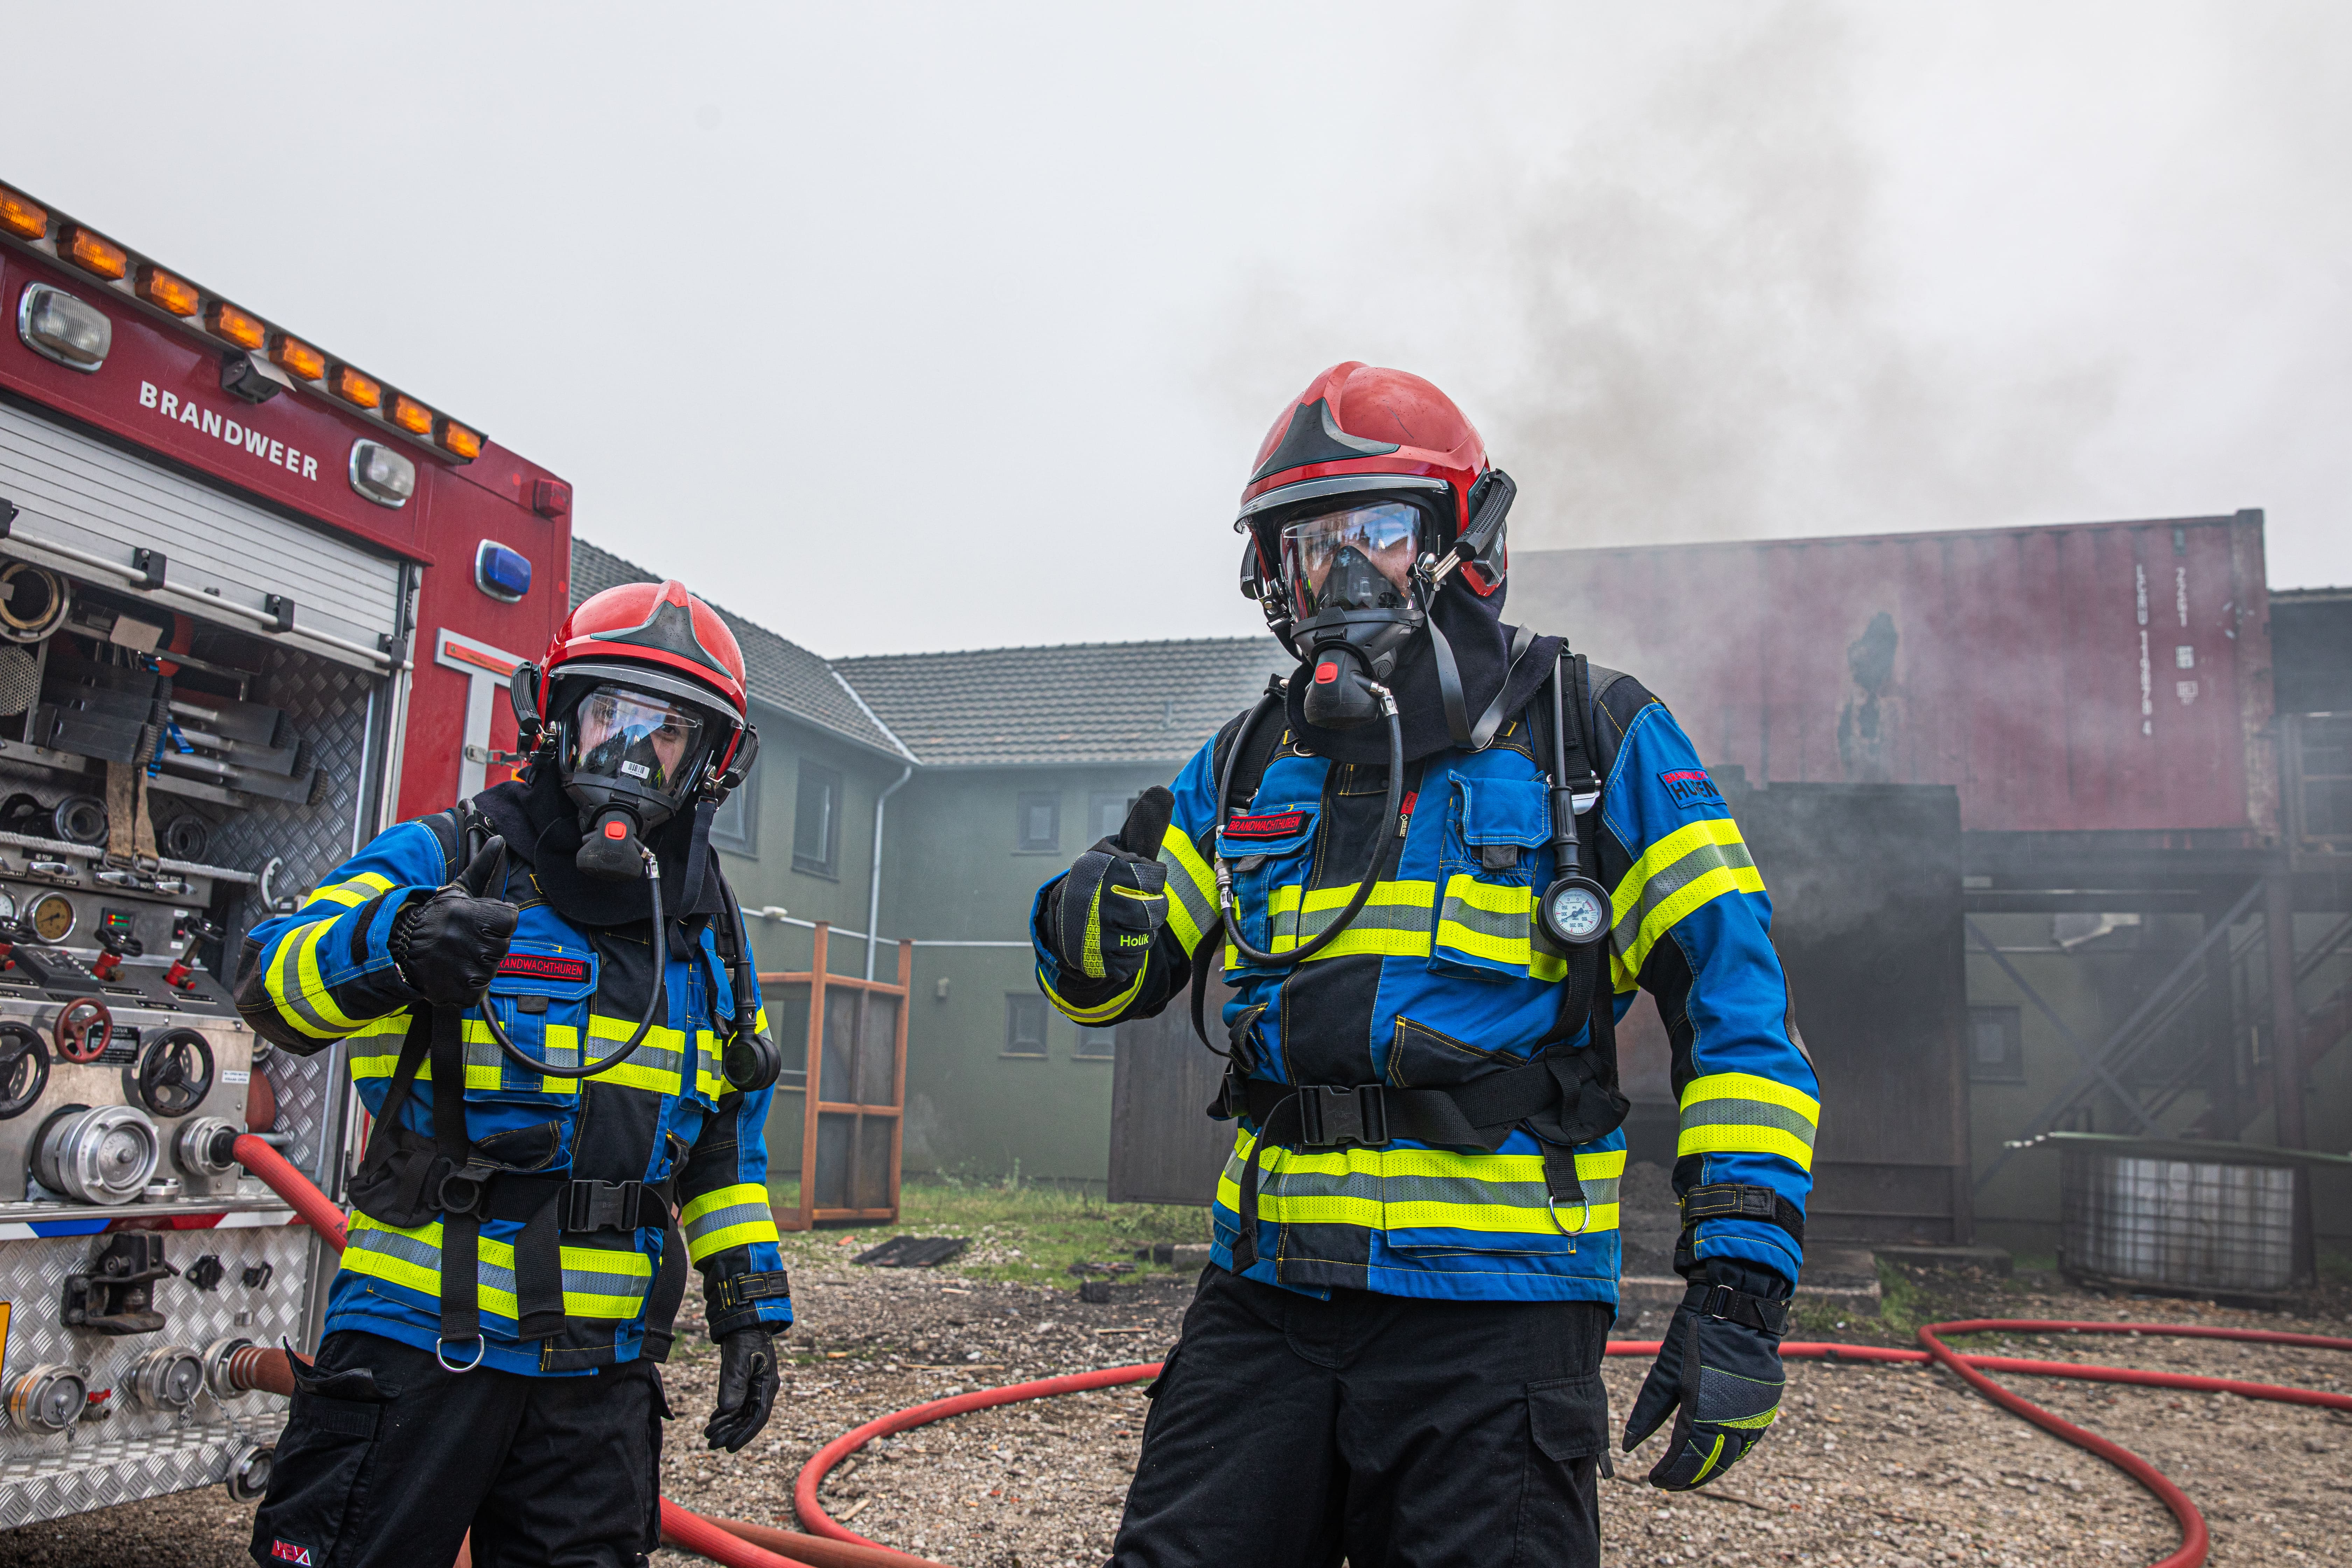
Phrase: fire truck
pixel 256 604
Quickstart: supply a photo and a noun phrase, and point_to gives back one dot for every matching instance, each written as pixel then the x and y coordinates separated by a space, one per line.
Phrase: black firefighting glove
pixel 747 1388
pixel 1718 1371
pixel 447 945
pixel 1102 917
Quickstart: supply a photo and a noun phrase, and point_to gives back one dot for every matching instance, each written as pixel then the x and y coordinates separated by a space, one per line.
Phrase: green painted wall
pixel 953 870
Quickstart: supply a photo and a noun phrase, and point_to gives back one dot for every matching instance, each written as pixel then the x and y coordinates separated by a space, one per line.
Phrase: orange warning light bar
pixel 93 252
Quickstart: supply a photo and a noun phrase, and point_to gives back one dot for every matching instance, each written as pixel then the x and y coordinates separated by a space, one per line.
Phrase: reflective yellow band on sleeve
pixel 1191 888
pixel 1733 1112
pixel 352 891
pixel 726 1218
pixel 293 983
pixel 1684 869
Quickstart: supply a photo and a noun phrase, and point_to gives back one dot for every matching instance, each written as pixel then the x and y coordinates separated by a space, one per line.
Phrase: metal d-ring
pixel 481 1349
pixel 1583 1216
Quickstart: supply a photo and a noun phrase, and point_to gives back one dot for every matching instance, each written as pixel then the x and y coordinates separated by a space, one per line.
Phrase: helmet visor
pixel 639 742
pixel 1360 558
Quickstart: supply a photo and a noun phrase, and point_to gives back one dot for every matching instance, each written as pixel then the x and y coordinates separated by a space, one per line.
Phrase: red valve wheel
pixel 74 1032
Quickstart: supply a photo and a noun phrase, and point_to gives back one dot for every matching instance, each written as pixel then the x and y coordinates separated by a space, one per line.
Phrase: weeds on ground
pixel 1022 1232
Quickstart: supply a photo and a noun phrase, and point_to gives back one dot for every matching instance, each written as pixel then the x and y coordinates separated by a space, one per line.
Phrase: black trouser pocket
pixel 322 1459
pixel 1567 1451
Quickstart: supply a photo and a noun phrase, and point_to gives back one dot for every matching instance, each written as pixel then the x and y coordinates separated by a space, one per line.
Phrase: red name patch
pixel 287 1552
pixel 1279 824
pixel 545 966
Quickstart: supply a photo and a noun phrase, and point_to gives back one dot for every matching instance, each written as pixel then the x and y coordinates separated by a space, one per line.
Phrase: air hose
pixel 731 1544
pixel 1970 1367
pixel 1384 848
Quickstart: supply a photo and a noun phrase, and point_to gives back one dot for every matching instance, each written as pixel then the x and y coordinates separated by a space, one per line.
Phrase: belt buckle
pixel 592 1206
pixel 1332 1118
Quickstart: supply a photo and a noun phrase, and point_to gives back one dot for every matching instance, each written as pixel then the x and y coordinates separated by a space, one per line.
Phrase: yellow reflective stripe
pixel 1749 1086
pixel 1599 1170
pixel 1393 922
pixel 1514 902
pixel 1638 921
pixel 598 1282
pixel 382 1064
pixel 1101 1013
pixel 1191 886
pixel 353 891
pixel 1741 1113
pixel 1713 1455
pixel 294 984
pixel 726 1218
pixel 1090 963
pixel 487 1069
pixel 1751 1422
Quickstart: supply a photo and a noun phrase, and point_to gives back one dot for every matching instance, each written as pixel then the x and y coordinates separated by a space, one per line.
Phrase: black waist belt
pixel 1478 1114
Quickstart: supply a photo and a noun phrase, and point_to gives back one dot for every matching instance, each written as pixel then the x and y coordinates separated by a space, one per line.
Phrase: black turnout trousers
pixel 1287 1432
pixel 548 1472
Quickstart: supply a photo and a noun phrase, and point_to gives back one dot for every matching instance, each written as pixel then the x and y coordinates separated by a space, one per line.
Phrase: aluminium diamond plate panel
pixel 135 1452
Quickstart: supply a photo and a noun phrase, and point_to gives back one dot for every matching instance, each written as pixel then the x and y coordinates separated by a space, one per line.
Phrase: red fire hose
pixel 1971 1368
pixel 832 1545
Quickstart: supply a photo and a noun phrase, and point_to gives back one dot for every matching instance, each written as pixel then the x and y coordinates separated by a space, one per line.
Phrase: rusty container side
pixel 2085 677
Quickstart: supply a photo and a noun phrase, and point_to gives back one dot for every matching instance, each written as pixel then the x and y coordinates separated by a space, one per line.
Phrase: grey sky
pixel 907 327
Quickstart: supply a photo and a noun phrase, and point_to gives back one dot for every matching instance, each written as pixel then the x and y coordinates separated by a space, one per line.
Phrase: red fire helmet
pixel 1356 419
pixel 661 629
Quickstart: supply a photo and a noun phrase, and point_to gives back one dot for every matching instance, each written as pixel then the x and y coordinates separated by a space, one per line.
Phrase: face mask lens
pixel 1359 559
pixel 636 738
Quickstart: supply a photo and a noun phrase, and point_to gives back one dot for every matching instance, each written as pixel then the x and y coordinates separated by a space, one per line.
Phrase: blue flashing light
pixel 501 572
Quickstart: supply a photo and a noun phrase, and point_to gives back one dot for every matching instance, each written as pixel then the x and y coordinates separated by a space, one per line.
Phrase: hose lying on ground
pixel 831 1545
pixel 272 1372
pixel 1969 1367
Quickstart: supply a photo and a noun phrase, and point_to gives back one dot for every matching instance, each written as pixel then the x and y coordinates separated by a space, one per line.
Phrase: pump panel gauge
pixel 53 917
pixel 8 906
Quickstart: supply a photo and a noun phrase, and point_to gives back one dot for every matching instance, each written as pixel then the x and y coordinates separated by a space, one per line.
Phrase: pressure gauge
pixel 53 917
pixel 1575 912
pixel 8 906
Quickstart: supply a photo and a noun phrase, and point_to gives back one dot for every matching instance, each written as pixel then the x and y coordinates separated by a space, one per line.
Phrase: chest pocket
pixel 1495 828
pixel 540 996
pixel 1271 851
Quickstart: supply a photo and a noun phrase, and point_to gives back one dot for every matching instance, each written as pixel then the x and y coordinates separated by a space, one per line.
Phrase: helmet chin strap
pixel 1470 736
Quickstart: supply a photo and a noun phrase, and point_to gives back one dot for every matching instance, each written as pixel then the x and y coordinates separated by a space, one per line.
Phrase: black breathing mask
pixel 1359 561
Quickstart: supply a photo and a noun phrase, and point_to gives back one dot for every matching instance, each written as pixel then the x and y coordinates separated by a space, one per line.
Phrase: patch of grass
pixel 1902 1303
pixel 1027 1233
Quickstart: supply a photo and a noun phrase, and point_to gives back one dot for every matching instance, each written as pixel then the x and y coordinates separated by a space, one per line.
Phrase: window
pixel 816 822
pixel 736 827
pixel 1996 1054
pixel 1025 1024
pixel 1096 1045
pixel 1107 814
pixel 1038 823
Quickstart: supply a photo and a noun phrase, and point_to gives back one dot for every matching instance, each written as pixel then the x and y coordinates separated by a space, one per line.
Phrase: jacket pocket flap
pixel 1504 811
pixel 546 969
pixel 1569 1417
pixel 1280 831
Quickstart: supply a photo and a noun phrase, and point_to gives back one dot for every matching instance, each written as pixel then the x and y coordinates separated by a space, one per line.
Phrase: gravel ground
pixel 1895 1467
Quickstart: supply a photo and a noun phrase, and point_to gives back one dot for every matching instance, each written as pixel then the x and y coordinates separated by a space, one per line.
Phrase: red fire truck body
pixel 256 604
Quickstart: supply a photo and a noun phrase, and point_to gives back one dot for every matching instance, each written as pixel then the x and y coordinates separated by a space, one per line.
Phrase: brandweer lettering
pixel 211 423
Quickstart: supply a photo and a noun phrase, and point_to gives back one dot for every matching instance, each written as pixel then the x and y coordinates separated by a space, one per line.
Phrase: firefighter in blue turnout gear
pixel 1436 864
pixel 549 1005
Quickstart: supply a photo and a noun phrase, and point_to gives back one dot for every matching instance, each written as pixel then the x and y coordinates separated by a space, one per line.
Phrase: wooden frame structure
pixel 851 1124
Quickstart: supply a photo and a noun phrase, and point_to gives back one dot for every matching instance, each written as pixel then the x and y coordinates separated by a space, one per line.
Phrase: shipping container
pixel 2090 677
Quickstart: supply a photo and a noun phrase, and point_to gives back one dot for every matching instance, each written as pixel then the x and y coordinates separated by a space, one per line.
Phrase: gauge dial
pixel 1576 912
pixel 53 917
pixel 8 906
